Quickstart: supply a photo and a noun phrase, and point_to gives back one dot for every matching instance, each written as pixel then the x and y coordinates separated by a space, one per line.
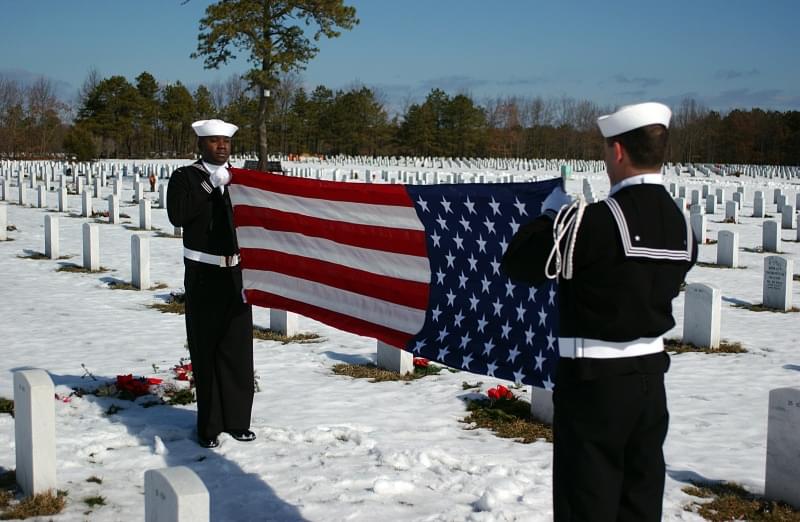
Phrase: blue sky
pixel 726 54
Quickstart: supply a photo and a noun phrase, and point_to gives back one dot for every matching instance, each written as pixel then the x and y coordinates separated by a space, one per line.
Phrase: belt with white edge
pixel 580 347
pixel 211 259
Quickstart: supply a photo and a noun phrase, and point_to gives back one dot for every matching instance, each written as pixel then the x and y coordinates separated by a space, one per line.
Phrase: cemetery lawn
pixel 337 448
pixel 724 501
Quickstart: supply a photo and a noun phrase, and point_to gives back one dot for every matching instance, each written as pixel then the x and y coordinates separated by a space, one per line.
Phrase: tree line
pixel 116 118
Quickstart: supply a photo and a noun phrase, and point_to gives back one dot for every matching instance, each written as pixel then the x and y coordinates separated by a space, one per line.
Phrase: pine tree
pixel 273 33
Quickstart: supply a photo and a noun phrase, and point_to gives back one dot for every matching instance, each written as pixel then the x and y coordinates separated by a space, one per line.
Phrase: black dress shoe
pixel 242 435
pixel 208 443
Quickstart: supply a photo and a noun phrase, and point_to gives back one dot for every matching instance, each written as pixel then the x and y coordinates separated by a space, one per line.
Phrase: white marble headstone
pixel 777 288
pixel 782 480
pixel 702 315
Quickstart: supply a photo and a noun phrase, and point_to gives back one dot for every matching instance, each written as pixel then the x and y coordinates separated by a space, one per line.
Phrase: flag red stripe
pixel 371 193
pixel 406 293
pixel 342 322
pixel 411 242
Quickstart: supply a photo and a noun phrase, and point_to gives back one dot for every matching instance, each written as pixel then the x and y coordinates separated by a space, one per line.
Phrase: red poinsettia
pixel 183 372
pixel 136 386
pixel 500 392
pixel 421 362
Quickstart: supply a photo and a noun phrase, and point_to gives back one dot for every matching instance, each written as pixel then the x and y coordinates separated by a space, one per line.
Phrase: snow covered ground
pixel 334 448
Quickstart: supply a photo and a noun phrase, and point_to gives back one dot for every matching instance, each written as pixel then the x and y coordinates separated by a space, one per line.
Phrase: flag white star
pixel 446 205
pixel 489 225
pixel 473 263
pixel 542 317
pixel 442 222
pixel 490 369
pixel 506 330
pixel 529 333
pixel 548 384
pixel 470 206
pixel 552 294
pixel 540 359
pixel 519 376
pixel 435 237
pixel 498 306
pixel 482 322
pixel 488 346
pixel 442 334
pixel 520 207
pixel 495 266
pixel 551 341
pixel 485 282
pixel 450 258
pixel 465 339
pixel 473 302
pixel 495 207
pixel 503 245
pixel 422 204
pixel 450 297
pixel 465 223
pixel 465 362
pixel 459 241
pixel 458 318
pixel 520 312
pixel 440 277
pixel 462 280
pixel 443 353
pixel 514 226
pixel 512 355
pixel 435 313
pixel 510 288
pixel 481 244
pixel 532 293
pixel 419 345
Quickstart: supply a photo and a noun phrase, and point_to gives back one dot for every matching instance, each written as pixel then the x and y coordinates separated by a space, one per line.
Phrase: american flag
pixel 415 266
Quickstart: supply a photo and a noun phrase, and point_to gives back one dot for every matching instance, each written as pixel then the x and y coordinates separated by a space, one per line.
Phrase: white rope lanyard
pixel 566 224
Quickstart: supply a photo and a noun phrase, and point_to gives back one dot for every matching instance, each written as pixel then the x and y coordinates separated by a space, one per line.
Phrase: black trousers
pixel 219 330
pixel 608 463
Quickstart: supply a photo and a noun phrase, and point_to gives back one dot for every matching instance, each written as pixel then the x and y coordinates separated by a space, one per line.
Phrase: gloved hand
pixel 554 201
pixel 220 177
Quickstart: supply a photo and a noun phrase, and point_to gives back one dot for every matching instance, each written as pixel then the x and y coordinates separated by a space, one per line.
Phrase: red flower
pixel 136 386
pixel 421 362
pixel 183 372
pixel 500 392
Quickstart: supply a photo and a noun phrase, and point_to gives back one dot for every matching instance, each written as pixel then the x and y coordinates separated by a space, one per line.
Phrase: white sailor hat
pixel 632 117
pixel 214 128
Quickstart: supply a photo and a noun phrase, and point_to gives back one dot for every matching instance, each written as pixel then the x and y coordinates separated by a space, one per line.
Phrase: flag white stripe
pixel 398 266
pixel 348 212
pixel 376 311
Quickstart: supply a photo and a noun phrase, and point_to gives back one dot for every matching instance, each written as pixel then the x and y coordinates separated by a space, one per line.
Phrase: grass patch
pixel 73 268
pixel 180 396
pixel 470 386
pixel 678 346
pixel 43 504
pixel 94 479
pixel 375 374
pixel 761 308
pixel 733 502
pixel 714 265
pixel 6 406
pixel 265 334
pixel 711 241
pixel 124 285
pixel 161 233
pixel 509 419
pixel 95 501
pixel 174 304
pixel 33 255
